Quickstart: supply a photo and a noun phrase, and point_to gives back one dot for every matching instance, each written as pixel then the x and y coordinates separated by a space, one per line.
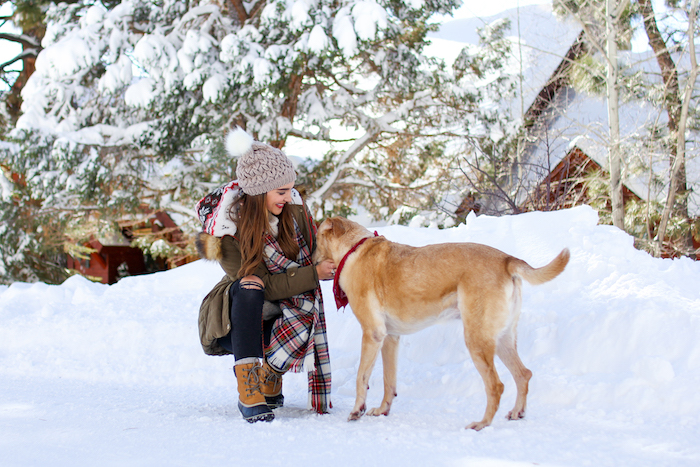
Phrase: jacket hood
pixel 213 209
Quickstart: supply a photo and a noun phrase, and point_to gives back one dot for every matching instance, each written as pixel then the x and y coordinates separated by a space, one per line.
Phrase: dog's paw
pixel 377 411
pixel 356 414
pixel 516 415
pixel 477 426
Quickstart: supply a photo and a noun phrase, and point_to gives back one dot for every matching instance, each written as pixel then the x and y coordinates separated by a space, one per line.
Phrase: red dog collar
pixel 341 299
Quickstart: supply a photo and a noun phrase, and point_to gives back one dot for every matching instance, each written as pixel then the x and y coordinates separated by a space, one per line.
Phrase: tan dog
pixel 396 289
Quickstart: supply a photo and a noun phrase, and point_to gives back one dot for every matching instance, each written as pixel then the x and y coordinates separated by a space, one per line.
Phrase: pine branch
pixel 25 40
pixel 25 53
pixel 316 137
pixel 589 34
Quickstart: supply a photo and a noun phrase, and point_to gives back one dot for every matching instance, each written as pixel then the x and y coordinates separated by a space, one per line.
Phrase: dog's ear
pixel 337 226
pixel 324 227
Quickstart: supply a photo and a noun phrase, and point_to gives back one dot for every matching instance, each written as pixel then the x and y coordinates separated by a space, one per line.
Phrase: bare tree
pixel 677 107
pixel 612 24
pixel 588 14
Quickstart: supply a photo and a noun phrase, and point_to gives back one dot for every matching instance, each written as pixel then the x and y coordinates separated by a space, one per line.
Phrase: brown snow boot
pixel 271 386
pixel 251 401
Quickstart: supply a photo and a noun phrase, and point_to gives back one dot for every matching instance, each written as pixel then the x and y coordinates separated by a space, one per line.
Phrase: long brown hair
pixel 251 217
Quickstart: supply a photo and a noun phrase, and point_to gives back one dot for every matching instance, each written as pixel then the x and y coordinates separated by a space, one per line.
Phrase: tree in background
pixel 130 101
pixel 21 229
pixel 676 100
pixel 606 27
pixel 487 77
pixel 669 36
pixel 28 17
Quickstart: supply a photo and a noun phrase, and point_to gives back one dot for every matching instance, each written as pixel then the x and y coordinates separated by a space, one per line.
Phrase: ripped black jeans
pixel 249 334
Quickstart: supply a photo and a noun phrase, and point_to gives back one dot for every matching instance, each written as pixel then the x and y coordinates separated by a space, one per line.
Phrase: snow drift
pixel 612 342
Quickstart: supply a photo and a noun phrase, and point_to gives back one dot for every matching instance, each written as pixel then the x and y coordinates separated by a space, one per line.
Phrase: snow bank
pixel 614 338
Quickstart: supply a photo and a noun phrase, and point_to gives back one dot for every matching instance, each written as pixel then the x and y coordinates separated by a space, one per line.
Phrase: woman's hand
pixel 325 269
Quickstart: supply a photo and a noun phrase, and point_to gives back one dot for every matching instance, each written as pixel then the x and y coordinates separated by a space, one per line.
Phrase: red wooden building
pixel 114 258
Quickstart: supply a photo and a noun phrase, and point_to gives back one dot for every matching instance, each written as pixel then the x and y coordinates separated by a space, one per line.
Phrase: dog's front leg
pixel 372 340
pixel 390 353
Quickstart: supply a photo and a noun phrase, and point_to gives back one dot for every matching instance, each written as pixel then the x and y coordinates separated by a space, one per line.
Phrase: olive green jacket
pixel 214 317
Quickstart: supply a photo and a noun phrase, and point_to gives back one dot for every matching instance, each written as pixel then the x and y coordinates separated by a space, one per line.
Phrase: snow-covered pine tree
pixel 130 101
pixel 356 69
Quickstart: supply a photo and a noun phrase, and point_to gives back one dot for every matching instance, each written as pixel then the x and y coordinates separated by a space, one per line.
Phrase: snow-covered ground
pixel 114 375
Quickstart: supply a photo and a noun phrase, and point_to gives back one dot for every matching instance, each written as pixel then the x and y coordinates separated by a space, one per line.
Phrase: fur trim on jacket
pixel 214 211
pixel 208 246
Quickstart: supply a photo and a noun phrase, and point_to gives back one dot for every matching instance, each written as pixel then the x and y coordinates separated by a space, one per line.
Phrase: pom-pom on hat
pixel 261 168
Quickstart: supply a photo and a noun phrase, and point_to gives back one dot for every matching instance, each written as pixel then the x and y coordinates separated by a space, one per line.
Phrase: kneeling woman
pixel 268 305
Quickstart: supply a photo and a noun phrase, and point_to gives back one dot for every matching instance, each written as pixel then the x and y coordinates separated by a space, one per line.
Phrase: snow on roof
pixel 545 41
pixel 580 120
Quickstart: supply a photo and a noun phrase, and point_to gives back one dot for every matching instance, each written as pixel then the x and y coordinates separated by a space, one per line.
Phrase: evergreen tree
pixel 130 101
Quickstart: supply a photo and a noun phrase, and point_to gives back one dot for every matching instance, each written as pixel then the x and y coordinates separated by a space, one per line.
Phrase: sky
pixel 92 374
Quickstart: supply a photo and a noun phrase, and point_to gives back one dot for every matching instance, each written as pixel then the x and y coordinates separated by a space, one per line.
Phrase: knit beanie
pixel 261 168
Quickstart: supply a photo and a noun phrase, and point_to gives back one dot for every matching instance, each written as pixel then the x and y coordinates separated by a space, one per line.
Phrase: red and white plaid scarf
pixel 299 340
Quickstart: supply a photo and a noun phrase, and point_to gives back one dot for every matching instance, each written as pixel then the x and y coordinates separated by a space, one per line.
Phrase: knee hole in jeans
pixel 252 285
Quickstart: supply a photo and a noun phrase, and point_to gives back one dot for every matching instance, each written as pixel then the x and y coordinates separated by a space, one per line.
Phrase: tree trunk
pixel 244 13
pixel 615 158
pixel 31 46
pixel 677 109
pixel 289 108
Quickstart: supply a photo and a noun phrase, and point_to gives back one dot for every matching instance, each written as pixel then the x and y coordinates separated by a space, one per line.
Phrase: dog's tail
pixel 536 276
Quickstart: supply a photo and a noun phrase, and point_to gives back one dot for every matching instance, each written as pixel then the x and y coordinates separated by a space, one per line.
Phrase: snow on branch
pixel 205 10
pixel 25 40
pixel 25 53
pixel 316 197
pixel 375 127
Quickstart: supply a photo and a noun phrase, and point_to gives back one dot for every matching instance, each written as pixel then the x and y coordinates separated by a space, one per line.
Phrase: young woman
pixel 268 305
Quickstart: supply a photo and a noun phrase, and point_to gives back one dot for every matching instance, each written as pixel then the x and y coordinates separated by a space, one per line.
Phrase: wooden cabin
pixel 114 258
pixel 566 185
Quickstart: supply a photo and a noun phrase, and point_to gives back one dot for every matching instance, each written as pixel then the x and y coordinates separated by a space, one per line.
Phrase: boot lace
pixel 271 377
pixel 253 382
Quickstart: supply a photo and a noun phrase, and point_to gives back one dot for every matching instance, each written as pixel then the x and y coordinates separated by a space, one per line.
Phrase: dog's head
pixel 336 236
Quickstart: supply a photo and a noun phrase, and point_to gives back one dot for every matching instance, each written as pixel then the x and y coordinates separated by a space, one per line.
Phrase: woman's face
pixel 277 198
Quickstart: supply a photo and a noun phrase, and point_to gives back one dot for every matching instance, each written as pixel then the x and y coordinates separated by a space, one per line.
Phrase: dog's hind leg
pixel 372 340
pixel 507 351
pixel 482 350
pixel 390 351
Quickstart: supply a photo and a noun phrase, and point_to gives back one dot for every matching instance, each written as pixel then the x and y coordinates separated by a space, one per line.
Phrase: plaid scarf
pixel 299 339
